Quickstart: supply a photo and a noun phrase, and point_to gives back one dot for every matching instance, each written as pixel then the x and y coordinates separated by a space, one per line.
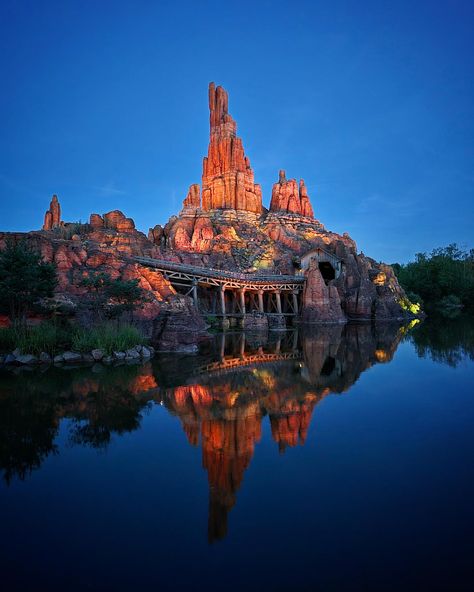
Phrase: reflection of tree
pixel 28 426
pixel 99 404
pixel 446 342
pixel 222 409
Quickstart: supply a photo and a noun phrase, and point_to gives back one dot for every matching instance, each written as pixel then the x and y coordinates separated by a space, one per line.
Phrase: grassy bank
pixel 55 338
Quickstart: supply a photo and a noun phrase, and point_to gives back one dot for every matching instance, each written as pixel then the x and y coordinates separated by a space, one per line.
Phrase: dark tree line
pixel 443 278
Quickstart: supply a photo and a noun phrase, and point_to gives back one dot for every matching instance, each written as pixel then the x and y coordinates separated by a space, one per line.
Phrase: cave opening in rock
pixel 327 271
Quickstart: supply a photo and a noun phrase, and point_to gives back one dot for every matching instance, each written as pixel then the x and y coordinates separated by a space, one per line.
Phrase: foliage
pixel 446 343
pixel 112 297
pixel 444 278
pixel 107 337
pixel 47 337
pixel 53 338
pixel 24 279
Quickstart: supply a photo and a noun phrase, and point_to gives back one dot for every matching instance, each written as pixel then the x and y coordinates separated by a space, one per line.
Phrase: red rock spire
pixel 193 199
pixel 52 217
pixel 227 177
pixel 287 197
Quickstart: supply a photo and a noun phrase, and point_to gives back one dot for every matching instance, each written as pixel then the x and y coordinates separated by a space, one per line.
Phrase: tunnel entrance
pixel 327 271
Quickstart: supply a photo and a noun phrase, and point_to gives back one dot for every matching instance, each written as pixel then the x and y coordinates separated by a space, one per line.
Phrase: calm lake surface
pixel 339 459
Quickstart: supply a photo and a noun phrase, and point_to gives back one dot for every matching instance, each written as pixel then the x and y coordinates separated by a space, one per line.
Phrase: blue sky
pixel 105 104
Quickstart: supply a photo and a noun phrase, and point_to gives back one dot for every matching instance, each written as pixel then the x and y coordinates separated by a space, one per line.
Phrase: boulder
pixel 69 356
pixel 97 354
pixel 27 359
pixel 131 354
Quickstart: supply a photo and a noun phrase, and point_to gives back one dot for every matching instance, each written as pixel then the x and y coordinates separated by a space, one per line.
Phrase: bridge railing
pixel 218 273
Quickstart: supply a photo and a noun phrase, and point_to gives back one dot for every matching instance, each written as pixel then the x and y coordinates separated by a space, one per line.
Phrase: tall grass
pixel 109 338
pixel 54 338
pixel 47 337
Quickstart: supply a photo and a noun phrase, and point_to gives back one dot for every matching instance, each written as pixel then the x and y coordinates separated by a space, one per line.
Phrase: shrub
pixel 46 337
pixel 107 337
pixel 54 338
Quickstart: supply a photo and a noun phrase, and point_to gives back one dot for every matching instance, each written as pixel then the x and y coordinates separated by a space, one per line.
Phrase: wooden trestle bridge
pixel 223 293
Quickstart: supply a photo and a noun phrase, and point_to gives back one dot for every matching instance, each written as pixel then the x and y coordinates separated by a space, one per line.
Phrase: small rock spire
pixel 52 217
pixel 288 197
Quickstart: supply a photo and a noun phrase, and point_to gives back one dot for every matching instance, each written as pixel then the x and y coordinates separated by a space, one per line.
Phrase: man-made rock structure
pixel 52 217
pixel 227 177
pixel 223 226
pixel 288 197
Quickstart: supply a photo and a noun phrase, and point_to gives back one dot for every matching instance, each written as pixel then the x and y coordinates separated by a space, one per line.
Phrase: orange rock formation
pixel 227 177
pixel 288 197
pixel 52 217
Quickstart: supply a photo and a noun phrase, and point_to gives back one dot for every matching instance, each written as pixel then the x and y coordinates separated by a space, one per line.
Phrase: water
pixel 339 460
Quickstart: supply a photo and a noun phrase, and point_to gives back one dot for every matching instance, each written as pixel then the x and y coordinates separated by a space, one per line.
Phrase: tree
pixel 24 279
pixel 110 297
pixel 441 278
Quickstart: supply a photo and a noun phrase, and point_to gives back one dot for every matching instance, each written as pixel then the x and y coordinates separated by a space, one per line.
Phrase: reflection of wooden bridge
pixel 258 358
pixel 231 293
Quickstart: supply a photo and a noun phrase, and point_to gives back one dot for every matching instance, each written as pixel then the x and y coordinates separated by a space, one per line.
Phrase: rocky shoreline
pixel 134 354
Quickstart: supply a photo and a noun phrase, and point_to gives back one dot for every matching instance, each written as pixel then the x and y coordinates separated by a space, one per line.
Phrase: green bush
pixel 54 338
pixel 46 337
pixel 107 337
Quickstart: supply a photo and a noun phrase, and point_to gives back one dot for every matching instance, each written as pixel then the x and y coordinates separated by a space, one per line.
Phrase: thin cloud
pixel 109 189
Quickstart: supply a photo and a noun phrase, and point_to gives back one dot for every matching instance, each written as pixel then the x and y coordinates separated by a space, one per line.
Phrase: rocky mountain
pixel 222 225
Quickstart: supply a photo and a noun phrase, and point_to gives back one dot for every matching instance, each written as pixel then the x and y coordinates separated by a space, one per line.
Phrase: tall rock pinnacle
pixel 52 217
pixel 227 178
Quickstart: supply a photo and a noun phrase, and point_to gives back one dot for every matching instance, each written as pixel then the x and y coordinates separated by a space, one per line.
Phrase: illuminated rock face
pixel 117 220
pixel 52 217
pixel 290 198
pixel 321 302
pixel 227 177
pixel 193 199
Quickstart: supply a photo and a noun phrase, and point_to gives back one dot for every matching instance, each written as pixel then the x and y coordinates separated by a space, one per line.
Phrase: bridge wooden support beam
pixel 278 301
pixel 242 300
pixel 222 298
pixel 260 301
pixel 195 294
pixel 295 302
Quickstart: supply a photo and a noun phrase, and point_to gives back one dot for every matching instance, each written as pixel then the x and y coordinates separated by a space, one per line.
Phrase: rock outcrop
pixel 193 198
pixel 118 221
pixel 52 217
pixel 290 198
pixel 227 177
pixel 321 302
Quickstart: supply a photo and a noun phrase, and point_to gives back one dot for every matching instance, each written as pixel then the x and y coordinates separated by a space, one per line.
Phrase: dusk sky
pixel 372 103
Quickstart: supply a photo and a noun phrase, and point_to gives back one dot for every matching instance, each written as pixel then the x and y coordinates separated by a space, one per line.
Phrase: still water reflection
pixel 241 390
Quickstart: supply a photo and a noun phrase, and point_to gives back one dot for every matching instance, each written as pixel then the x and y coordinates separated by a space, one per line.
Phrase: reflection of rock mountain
pixel 220 397
pixel 227 407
